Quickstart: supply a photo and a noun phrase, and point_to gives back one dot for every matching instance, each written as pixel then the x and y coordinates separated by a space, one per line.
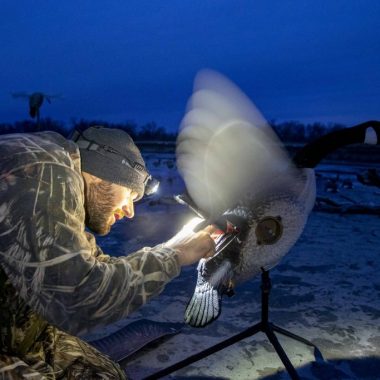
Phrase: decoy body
pixel 240 178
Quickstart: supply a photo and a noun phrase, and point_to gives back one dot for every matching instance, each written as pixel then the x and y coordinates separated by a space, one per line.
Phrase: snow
pixel 326 289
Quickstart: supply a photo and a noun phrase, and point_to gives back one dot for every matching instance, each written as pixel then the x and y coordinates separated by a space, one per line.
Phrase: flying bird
pixel 239 177
pixel 36 100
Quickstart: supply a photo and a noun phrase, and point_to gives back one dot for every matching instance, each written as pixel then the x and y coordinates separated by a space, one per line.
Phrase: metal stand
pixel 264 326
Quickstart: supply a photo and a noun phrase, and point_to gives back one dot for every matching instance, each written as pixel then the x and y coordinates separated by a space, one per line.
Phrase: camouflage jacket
pixel 50 268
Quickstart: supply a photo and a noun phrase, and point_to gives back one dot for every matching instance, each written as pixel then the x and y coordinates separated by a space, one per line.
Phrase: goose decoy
pixel 239 177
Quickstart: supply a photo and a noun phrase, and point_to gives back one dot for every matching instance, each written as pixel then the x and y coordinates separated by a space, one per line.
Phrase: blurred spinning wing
pixel 225 147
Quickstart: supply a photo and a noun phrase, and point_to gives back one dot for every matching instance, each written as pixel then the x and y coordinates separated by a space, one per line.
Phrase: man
pixel 55 282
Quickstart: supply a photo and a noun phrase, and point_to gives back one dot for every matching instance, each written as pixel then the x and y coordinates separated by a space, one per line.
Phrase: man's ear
pixel 89 178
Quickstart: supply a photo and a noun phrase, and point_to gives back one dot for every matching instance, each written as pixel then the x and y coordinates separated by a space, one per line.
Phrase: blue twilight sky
pixel 136 60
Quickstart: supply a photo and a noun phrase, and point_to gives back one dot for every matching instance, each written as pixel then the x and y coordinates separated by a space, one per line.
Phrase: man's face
pixel 105 203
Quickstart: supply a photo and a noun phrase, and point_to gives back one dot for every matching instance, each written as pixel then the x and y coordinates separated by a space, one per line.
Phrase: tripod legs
pixel 317 354
pixel 281 353
pixel 291 335
pixel 264 326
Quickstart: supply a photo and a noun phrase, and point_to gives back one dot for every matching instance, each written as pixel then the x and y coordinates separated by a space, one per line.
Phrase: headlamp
pixel 151 186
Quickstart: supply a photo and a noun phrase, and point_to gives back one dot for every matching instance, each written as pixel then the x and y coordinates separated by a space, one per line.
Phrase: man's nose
pixel 128 209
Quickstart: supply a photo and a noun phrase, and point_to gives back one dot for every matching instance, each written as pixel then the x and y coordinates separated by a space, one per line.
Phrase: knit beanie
pixel 111 154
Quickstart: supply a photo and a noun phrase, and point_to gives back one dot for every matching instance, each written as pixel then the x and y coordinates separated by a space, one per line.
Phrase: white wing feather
pixel 225 147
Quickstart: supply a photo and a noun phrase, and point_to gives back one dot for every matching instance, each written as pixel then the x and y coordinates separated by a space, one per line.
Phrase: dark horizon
pixel 287 131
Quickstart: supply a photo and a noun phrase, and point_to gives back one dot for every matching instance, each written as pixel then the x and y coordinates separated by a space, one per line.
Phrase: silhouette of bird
pixel 36 100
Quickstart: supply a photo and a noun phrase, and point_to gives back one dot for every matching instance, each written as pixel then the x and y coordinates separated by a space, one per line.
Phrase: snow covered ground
pixel 327 289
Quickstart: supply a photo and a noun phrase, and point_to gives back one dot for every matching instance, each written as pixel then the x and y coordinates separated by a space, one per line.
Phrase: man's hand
pixel 193 246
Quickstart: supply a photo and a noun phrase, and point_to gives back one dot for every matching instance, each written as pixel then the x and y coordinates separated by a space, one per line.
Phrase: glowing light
pixel 155 188
pixel 189 227
pixel 151 186
pixel 186 231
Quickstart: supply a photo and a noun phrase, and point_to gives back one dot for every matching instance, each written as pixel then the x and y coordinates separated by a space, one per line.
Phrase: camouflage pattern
pixel 57 355
pixel 53 276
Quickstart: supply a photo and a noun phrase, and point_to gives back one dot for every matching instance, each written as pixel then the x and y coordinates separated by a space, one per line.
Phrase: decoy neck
pixel 311 154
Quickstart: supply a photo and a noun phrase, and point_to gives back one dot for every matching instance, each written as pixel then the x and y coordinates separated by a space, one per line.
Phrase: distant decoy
pixel 331 185
pixel 347 184
pixel 370 178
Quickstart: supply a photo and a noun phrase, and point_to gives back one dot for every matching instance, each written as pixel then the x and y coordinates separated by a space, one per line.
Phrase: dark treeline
pixel 149 131
pixel 296 132
pixel 290 131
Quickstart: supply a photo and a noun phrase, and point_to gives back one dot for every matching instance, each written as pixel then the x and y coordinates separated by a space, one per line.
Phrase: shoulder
pixel 20 151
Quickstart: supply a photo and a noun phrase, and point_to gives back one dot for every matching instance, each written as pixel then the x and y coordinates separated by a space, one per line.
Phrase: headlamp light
pixel 151 186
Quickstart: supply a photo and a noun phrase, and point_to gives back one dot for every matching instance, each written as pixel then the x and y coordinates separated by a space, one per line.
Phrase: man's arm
pixel 46 254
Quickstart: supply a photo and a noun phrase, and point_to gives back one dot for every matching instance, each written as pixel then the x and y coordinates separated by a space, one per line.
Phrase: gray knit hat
pixel 111 155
